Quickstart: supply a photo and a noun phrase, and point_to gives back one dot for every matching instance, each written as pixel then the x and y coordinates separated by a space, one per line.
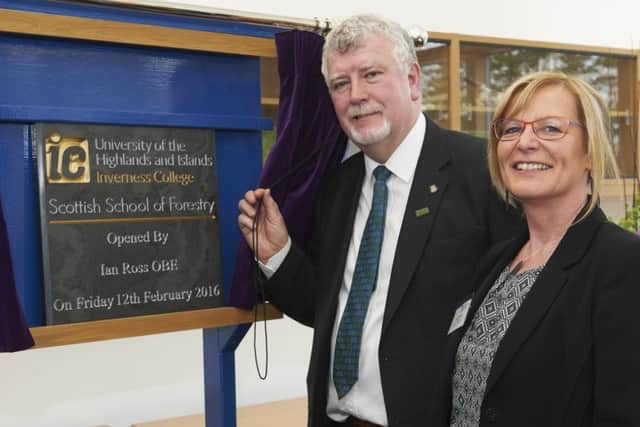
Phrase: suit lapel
pixel 548 285
pixel 428 187
pixel 346 194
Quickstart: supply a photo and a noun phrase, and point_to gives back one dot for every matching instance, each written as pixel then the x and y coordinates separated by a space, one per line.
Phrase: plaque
pixel 128 218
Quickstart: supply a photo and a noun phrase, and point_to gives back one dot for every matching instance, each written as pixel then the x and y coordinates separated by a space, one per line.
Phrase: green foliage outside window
pixel 631 220
pixel 268 139
pixel 487 70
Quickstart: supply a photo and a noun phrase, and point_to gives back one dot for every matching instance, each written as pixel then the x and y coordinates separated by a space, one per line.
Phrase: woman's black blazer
pixel 571 356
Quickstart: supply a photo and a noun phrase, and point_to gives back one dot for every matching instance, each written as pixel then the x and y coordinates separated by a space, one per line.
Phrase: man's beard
pixel 371 135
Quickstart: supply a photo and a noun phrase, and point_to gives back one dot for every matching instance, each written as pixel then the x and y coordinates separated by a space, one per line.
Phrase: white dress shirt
pixel 365 400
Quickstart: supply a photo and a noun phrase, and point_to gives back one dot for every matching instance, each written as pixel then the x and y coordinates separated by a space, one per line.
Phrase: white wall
pixel 123 381
pixel 130 380
pixel 614 23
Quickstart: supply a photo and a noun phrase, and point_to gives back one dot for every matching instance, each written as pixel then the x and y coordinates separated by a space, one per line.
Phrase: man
pixel 398 229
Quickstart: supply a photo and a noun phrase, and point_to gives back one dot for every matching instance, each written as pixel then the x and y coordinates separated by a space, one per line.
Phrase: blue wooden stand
pixel 219 374
pixel 49 79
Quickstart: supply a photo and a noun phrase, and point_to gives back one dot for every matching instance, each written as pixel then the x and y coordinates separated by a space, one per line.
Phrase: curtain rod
pixel 186 9
pixel 318 25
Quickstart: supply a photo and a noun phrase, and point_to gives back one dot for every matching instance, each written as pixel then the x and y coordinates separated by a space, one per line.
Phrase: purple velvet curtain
pixel 306 121
pixel 14 333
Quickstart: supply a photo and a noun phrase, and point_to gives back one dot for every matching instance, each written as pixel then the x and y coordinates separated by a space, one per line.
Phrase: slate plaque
pixel 129 223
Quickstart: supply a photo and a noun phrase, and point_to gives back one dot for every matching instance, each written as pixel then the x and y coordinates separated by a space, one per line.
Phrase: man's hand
pixel 272 231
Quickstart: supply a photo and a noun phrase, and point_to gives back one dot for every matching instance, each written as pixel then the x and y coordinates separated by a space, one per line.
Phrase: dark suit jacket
pixel 433 267
pixel 571 356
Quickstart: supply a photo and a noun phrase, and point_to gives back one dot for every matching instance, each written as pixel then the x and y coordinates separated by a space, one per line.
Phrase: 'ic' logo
pixel 67 159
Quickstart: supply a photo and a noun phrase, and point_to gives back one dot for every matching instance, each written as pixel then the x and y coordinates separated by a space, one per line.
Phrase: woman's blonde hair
pixel 592 113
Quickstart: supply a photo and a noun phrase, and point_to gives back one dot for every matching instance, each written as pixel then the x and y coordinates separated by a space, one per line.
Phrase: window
pixel 487 70
pixel 434 62
pixel 269 94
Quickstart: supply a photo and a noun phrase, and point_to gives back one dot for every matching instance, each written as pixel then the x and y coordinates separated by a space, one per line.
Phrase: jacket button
pixel 491 414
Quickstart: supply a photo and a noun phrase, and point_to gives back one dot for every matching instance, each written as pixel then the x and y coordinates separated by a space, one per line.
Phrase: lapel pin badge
pixel 433 188
pixel 422 212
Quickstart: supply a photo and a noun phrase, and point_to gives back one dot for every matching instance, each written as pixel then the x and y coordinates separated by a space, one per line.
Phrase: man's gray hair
pixel 353 31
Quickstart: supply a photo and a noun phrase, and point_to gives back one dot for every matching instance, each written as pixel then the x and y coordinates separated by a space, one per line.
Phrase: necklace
pixel 518 265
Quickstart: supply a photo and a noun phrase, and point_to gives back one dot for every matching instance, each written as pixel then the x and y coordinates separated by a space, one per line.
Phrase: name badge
pixel 460 316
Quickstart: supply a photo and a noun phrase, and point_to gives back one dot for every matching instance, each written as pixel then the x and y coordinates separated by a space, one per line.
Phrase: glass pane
pixel 487 70
pixel 269 93
pixel 434 61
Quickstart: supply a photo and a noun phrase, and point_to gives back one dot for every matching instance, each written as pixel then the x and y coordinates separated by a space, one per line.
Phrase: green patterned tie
pixel 365 275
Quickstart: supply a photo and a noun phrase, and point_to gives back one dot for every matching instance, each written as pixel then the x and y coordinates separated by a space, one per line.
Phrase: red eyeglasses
pixel 545 128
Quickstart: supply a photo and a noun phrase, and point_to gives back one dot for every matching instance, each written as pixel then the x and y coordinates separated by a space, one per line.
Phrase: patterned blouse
pixel 480 342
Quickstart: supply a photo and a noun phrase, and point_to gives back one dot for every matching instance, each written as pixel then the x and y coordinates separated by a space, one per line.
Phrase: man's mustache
pixel 355 111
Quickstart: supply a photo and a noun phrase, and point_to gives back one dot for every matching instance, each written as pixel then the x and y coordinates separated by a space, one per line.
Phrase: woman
pixel 551 336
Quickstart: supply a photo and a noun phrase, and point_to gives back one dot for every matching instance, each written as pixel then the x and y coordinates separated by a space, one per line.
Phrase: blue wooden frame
pixel 114 13
pixel 58 80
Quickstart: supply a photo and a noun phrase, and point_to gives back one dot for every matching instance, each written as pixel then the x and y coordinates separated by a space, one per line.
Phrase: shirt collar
pixel 404 159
